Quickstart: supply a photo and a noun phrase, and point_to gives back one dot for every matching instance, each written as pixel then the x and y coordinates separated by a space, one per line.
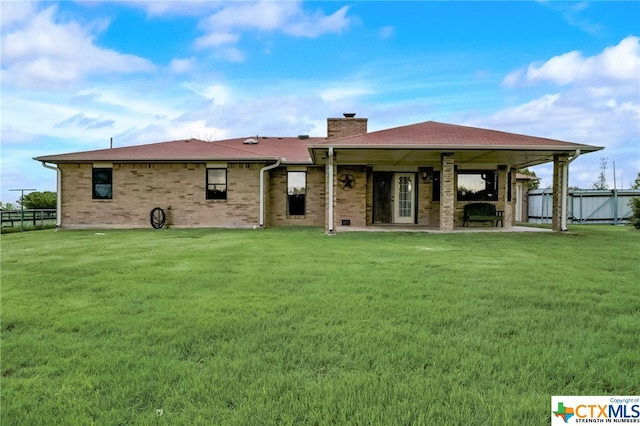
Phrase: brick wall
pixel 341 127
pixel 503 201
pixel 424 205
pixel 138 188
pixel 447 193
pixel 315 199
pixel 559 161
pixel 351 203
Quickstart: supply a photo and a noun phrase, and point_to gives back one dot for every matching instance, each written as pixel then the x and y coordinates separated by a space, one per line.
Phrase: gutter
pixel 565 185
pixel 58 192
pixel 262 171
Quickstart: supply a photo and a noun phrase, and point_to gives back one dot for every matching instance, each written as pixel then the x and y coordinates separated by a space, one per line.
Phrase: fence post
pixel 615 206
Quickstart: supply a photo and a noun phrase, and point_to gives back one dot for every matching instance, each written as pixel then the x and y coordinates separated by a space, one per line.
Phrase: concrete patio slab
pixel 459 230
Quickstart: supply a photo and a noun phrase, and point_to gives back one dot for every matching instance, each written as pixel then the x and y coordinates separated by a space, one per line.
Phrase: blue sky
pixel 75 74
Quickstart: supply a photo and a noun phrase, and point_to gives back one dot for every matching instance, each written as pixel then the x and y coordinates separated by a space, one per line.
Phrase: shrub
pixel 635 207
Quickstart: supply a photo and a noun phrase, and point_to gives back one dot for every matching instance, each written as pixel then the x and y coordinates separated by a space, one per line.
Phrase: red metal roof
pixel 289 150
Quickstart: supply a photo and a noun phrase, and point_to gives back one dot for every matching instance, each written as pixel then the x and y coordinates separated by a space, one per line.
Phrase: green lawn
pixel 293 327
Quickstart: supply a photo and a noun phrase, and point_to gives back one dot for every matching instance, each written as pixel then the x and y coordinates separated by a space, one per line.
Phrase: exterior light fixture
pixel 426 173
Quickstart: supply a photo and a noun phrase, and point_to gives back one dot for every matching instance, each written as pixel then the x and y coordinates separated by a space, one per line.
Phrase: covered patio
pixel 429 159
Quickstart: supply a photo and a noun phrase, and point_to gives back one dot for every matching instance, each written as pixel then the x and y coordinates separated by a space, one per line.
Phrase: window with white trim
pixel 216 184
pixel 296 193
pixel 102 183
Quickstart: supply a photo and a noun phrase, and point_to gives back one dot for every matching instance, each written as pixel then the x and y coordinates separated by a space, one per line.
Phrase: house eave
pixel 57 160
pixel 453 148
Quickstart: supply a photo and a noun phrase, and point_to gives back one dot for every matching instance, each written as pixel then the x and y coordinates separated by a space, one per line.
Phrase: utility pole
pixel 22 205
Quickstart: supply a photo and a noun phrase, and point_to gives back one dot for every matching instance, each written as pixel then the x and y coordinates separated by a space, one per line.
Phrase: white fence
pixel 584 206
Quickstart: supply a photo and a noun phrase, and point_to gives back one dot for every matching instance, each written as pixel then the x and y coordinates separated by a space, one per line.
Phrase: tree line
pixel 33 200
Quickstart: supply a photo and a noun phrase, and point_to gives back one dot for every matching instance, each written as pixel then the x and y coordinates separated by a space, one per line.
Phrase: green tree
pixel 634 203
pixel 7 206
pixel 533 183
pixel 601 182
pixel 39 200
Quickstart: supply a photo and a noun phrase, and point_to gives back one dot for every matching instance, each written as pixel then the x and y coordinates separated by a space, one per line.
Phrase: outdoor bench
pixel 482 212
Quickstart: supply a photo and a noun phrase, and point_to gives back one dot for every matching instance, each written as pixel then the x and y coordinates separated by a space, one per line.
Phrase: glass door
pixel 404 198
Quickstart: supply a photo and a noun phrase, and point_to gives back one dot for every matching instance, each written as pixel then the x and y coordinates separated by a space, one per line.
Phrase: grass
pixel 28 226
pixel 293 327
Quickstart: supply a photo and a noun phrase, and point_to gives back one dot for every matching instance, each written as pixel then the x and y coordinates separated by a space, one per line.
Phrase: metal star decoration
pixel 347 181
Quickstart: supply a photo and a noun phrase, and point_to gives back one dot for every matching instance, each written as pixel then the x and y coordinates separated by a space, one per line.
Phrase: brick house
pixel 416 175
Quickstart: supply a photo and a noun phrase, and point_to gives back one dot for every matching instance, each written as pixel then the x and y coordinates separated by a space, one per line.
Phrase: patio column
pixel 447 192
pixel 504 188
pixel 559 206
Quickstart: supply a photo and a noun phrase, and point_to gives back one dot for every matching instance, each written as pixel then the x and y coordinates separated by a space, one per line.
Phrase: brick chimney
pixel 347 126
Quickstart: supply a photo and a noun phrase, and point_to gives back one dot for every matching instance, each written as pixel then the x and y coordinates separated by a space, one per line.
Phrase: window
pixel 435 194
pixel 216 184
pixel 102 183
pixel 296 193
pixel 477 185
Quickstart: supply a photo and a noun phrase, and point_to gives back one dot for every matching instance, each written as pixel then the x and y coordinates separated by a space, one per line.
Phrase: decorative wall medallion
pixel 347 181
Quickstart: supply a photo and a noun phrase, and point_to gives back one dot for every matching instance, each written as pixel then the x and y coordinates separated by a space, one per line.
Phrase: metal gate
pixel 584 206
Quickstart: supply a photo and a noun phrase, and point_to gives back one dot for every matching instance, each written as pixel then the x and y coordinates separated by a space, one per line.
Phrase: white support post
pixel 330 227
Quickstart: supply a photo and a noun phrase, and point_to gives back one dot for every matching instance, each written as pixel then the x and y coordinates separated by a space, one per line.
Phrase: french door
pixel 394 197
pixel 404 198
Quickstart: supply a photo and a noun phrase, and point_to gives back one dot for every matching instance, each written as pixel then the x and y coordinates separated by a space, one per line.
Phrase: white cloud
pixel 179 66
pixel 261 15
pixel 596 101
pixel 12 136
pixel 84 122
pixel 217 93
pixel 42 52
pixel 317 24
pixel 172 130
pixel 599 102
pixel 176 8
pixel 620 63
pixel 224 26
pixel 386 31
pixel 216 39
pixel 572 13
pixel 15 12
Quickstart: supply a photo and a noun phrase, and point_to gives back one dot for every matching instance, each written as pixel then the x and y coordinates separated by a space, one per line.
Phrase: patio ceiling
pixel 412 156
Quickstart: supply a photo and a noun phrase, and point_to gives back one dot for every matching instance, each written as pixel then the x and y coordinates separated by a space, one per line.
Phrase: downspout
pixel 262 170
pixel 565 185
pixel 58 192
pixel 330 163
